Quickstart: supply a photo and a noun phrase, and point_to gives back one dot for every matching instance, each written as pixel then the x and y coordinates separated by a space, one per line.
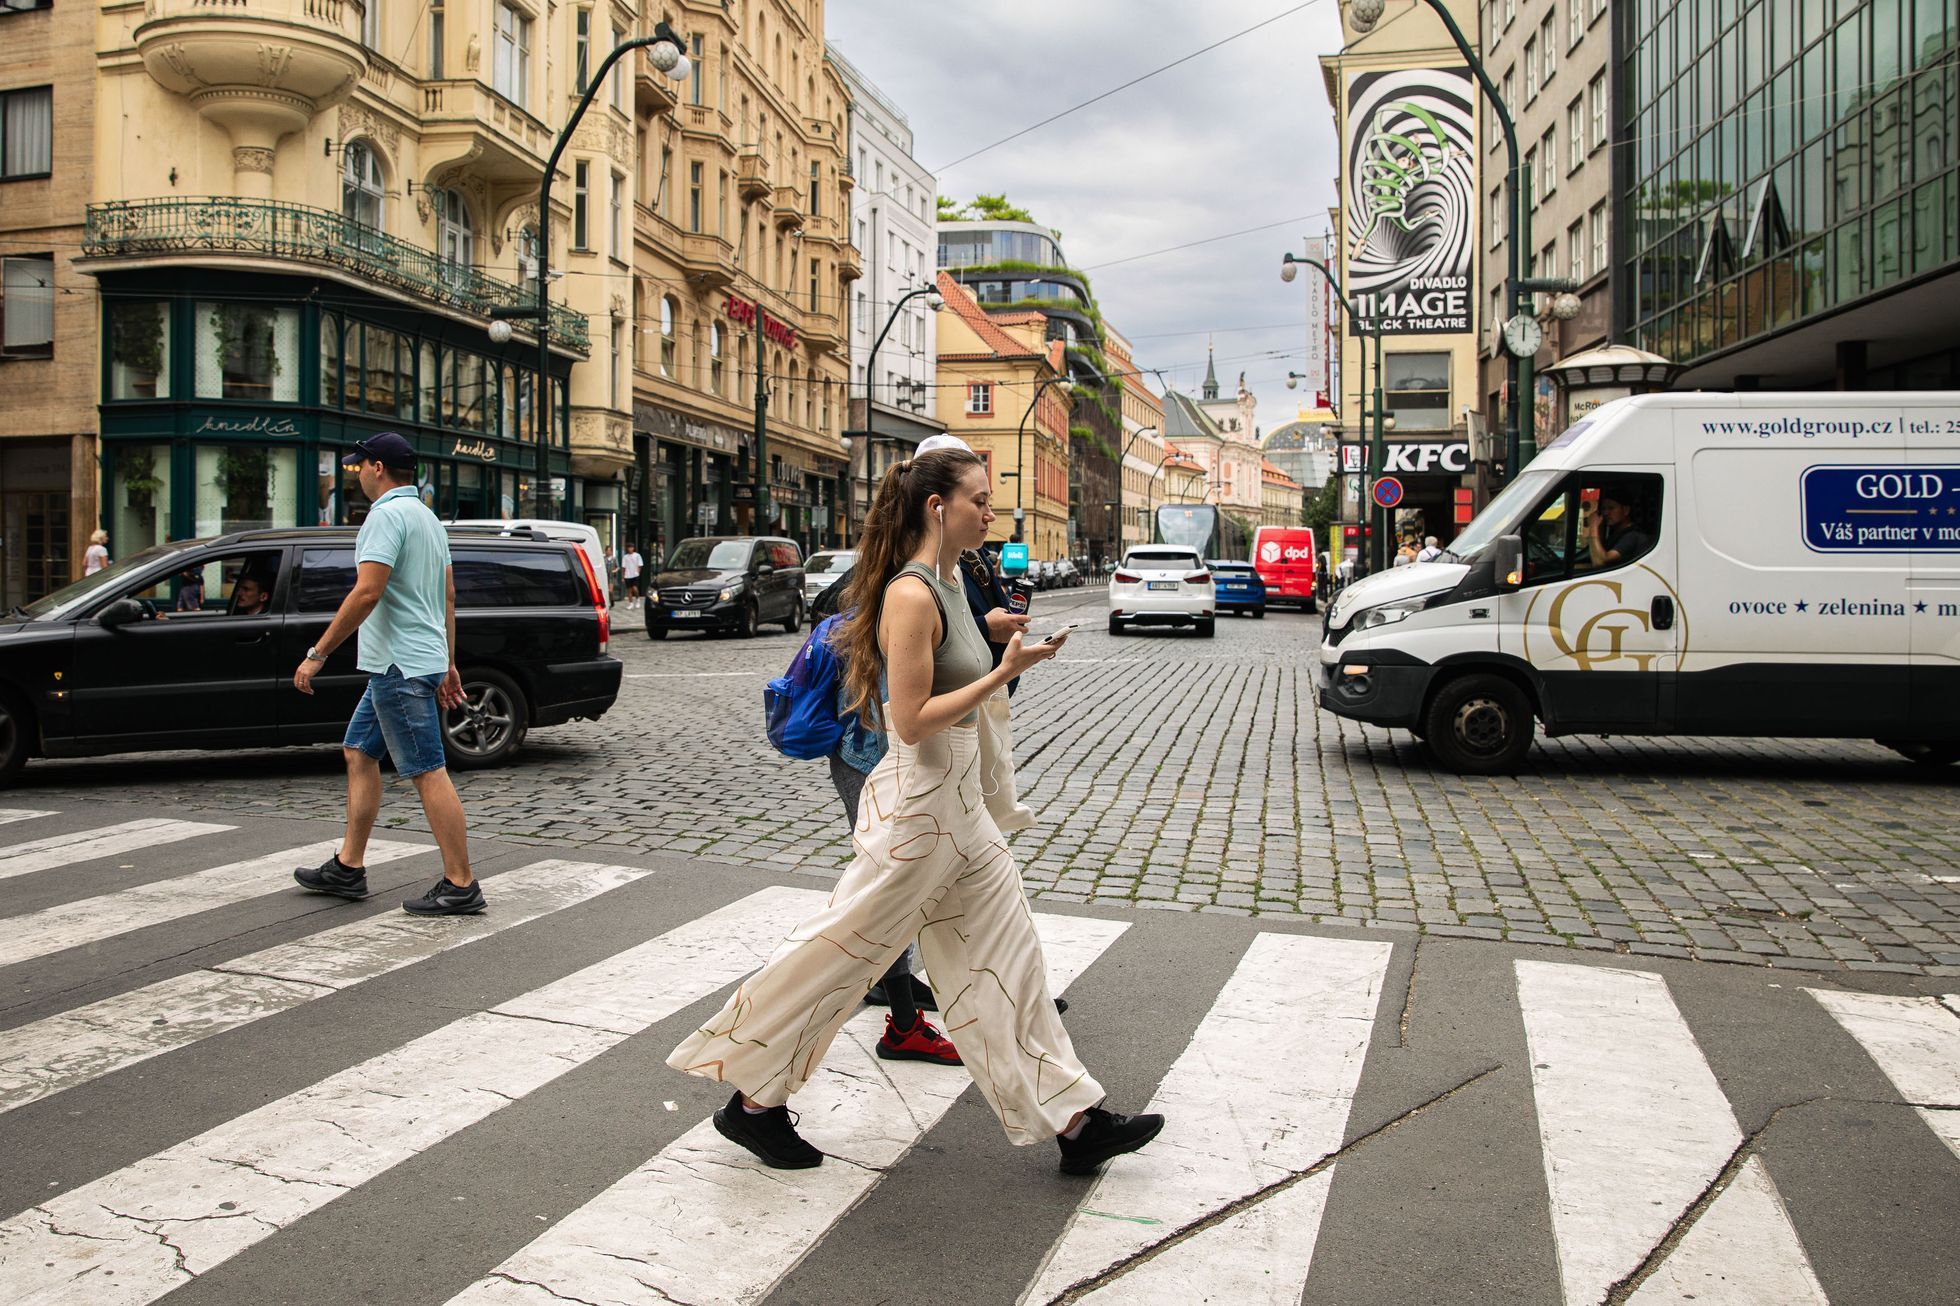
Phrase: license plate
pixel 1161 585
pixel 680 615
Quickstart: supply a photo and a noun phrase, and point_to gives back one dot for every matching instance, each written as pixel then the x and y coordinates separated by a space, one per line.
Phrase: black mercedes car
pixel 193 644
pixel 729 584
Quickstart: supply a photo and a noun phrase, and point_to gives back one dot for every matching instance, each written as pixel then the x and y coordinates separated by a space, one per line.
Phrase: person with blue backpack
pixel 930 862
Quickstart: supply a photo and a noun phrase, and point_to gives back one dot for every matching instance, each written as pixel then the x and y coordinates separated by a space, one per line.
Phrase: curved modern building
pixel 1021 264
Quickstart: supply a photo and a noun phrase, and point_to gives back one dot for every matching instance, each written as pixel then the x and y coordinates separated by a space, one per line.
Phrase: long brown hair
pixel 893 529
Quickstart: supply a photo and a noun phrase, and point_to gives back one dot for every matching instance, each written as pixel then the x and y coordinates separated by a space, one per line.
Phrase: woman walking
pixel 930 862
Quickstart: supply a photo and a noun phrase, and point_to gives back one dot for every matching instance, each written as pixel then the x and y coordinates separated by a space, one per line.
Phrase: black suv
pixel 193 644
pixel 729 584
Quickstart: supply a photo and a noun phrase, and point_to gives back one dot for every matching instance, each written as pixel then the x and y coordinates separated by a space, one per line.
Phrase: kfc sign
pixel 1449 457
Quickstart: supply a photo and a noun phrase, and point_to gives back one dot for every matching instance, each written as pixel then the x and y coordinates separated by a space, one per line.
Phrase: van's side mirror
pixel 123 612
pixel 1507 562
pixel 766 569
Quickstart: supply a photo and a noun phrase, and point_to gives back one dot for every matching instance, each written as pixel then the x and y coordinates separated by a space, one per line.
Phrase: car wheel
pixel 1207 627
pixel 1115 626
pixel 491 723
pixel 1923 753
pixel 16 738
pixel 1259 613
pixel 1479 725
pixel 745 623
pixel 1310 607
pixel 795 621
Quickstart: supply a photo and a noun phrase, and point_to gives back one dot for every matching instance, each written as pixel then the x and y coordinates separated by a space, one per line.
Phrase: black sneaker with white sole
pixel 1106 1134
pixel 770 1134
pixel 447 899
pixel 332 877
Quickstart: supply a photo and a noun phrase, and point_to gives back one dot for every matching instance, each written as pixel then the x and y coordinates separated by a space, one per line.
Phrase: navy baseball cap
pixel 388 449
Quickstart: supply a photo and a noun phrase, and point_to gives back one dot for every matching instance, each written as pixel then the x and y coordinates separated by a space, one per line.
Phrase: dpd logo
pixel 1269 551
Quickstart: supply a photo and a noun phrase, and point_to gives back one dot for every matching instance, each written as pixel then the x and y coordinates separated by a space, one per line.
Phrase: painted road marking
pixel 86 845
pixel 1916 1042
pixel 1743 1251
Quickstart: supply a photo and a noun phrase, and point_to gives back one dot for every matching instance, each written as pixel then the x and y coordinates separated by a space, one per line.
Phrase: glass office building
pixel 1788 194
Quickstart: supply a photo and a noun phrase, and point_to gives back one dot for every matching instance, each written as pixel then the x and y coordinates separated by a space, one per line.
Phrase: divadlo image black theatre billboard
pixel 1411 199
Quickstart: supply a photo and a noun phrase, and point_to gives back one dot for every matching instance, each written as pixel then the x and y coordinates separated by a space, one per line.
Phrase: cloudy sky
pixel 1238 137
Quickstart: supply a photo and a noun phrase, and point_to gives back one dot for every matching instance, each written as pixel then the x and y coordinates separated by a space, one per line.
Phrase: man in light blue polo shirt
pixel 404 605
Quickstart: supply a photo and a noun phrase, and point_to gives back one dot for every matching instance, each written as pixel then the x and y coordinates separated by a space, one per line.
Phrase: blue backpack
pixel 800 706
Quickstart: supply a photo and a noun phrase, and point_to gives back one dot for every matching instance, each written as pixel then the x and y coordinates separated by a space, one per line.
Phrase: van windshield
pixel 1502 515
pixel 710 555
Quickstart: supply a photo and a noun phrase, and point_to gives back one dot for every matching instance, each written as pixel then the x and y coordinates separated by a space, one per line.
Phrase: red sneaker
pixel 920 1043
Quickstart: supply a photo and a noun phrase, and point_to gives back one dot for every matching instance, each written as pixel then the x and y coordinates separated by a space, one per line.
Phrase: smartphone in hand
pixel 1060 633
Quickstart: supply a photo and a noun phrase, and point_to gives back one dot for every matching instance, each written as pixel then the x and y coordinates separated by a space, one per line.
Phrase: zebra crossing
pixel 1660 1181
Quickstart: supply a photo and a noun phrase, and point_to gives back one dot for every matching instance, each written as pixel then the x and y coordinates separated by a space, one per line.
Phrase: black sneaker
pixel 446 899
pixel 1106 1134
pixel 770 1134
pixel 332 877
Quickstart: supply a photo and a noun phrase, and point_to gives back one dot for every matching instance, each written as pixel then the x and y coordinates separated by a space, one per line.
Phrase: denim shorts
pixel 398 717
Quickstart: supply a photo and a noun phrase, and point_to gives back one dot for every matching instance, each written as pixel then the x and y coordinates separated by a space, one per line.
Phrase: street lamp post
pixel 934 303
pixel 1121 461
pixel 1378 458
pixel 667 52
pixel 1020 451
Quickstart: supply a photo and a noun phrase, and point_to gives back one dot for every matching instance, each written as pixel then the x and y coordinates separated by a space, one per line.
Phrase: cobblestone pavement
pixel 1184 774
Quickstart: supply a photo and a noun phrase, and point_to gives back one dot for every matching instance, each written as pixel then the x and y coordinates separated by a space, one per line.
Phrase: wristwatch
pixel 315 655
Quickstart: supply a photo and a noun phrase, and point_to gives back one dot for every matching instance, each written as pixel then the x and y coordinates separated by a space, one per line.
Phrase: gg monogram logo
pixel 1589 622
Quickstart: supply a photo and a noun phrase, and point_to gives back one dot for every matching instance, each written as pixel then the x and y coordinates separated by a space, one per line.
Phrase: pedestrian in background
pixel 927 850
pixel 96 556
pixel 1430 550
pixel 403 605
pixel 629 571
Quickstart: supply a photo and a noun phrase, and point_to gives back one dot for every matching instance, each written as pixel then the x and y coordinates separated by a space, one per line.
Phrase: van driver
pixel 1611 536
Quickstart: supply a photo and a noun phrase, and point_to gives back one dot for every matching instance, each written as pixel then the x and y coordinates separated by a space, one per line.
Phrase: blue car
pixel 1237 588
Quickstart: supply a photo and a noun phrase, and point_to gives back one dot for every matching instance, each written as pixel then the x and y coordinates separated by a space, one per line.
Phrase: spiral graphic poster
pixel 1411 199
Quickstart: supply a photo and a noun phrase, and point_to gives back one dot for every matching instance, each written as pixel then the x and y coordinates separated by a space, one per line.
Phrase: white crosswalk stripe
pixel 136 1234
pixel 1633 1125
pixel 704 1222
pixel 61 1051
pixel 1639 1145
pixel 1261 1094
pixel 1916 1042
pixel 92 920
pixel 109 841
pixel 8 815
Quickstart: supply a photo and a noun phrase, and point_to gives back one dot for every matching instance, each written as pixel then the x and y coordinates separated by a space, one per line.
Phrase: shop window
pixel 507 403
pixel 470 412
pixel 362 191
pixel 378 383
pixel 26 133
pixel 245 351
pixel 27 306
pixel 1418 391
pixel 245 487
pixel 428 409
pixel 139 351
pixel 332 390
pixel 139 496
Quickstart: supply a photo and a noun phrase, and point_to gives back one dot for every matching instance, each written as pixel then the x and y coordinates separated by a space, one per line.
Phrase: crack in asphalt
pixel 1081 1288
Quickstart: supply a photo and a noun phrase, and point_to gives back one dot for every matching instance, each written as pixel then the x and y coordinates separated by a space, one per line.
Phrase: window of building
pixel 616 218
pixel 581 50
pixel 816 269
pixel 436 41
pixel 247 351
pixel 361 189
pixel 1596 227
pixel 26 133
pixel 510 64
pixel 618 360
pixel 371 24
pixel 1547 51
pixel 1496 223
pixel 1595 8
pixel 427 377
pixel 714 358
pixel 666 172
pixel 581 205
pixel 1531 70
pixel 455 234
pixel 816 191
pixel 1575 249
pixel 527 255
pixel 618 88
pixel 980 397
pixel 1575 134
pixel 1548 161
pixel 669 344
pixel 474 380
pixel 1575 22
pixel 331 394
pixel 22 6
pixel 698 76
pixel 1596 104
pixel 1417 388
pixel 1534 174
pixel 139 348
pixel 695 181
pixel 27 305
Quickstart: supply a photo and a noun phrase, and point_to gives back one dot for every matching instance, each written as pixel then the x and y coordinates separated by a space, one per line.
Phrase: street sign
pixel 1388 491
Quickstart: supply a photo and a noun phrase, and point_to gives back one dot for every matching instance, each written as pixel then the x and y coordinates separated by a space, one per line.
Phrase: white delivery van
pixel 1689 564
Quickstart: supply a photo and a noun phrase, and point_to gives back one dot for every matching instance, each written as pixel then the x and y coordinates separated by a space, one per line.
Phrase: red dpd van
pixel 1284 559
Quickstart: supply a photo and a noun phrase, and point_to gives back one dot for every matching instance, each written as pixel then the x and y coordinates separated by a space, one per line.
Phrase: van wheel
pixel 1310 607
pixel 1207 627
pixel 1479 725
pixel 1925 754
pixel 745 624
pixel 16 738
pixel 656 632
pixel 491 723
pixel 795 621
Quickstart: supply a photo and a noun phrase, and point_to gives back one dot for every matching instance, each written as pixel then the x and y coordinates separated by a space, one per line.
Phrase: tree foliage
pixel 1324 508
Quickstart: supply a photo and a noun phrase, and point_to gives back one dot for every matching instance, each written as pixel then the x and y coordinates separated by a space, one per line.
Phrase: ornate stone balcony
pixel 465 121
pixel 258 68
pixel 295 233
pixel 752 175
pixel 709 258
pixel 790 203
pixel 850 264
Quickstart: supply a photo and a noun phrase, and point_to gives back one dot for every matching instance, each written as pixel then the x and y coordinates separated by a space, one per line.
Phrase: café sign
pixel 747 312
pixel 259 425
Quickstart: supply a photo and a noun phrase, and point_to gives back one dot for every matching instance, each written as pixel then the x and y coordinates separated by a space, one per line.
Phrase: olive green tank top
pixel 962 656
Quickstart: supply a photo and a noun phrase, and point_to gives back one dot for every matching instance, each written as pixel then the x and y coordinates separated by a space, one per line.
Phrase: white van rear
pixel 1696 564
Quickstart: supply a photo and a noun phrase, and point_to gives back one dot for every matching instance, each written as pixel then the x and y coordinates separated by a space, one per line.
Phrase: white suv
pixel 1162 585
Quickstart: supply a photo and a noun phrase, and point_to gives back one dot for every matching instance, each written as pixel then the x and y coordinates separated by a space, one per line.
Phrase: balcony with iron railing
pixel 123 229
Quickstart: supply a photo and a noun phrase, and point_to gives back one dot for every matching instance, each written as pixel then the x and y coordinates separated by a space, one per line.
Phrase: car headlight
pixel 730 591
pixel 1388 613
